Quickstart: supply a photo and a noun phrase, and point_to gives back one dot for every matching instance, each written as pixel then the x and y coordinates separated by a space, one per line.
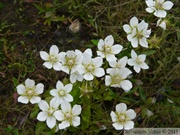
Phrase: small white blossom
pixel 48 112
pixel 74 76
pixel 158 7
pixel 70 61
pixel 61 93
pixel 149 113
pixel 52 60
pixel 137 33
pixel 68 116
pixel 117 78
pixel 122 118
pixel 161 23
pixel 91 67
pixel 29 92
pixel 137 61
pixel 120 63
pixel 107 50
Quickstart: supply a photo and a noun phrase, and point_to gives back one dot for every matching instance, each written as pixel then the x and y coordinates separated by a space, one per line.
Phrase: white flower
pixel 122 118
pixel 117 78
pixel 133 24
pixel 70 61
pixel 91 67
pixel 149 113
pixel 61 93
pixel 137 32
pixel 120 63
pixel 52 59
pixel 47 113
pixel 29 92
pixel 68 116
pixel 74 76
pixel 158 7
pixel 161 23
pixel 137 61
pixel 107 50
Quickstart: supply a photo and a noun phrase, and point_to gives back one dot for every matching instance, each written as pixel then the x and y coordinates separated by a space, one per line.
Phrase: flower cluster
pixel 158 8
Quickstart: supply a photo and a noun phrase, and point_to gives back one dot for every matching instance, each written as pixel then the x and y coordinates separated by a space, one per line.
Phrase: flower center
pixel 138 61
pixel 51 111
pixel 70 62
pixel 30 92
pixel 116 79
pixel 69 116
pixel 121 118
pixel 107 49
pixel 159 5
pixel 52 58
pixel 90 68
pixel 62 93
pixel 139 35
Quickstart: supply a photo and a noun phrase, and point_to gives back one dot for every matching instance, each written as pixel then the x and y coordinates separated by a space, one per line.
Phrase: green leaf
pixel 40 127
pixel 141 93
pixel 86 114
pixel 149 52
pixel 34 111
pixel 95 41
pixel 15 82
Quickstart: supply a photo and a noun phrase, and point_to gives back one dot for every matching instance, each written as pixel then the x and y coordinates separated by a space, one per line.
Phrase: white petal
pixel 42 116
pixel 124 72
pixel 101 44
pixel 129 125
pixel 70 54
pixel 88 76
pixel 23 99
pixel 134 42
pixel 131 62
pixel 44 55
pixel 88 51
pixel 133 21
pixel 98 61
pixel 59 85
pixel 99 72
pixel 59 115
pixel 149 3
pixel 108 80
pixel 39 88
pixel 133 54
pixel 116 49
pixel 64 125
pixel 54 50
pixel 110 57
pixel 43 105
pixel 167 5
pixel 21 89
pixel 57 66
pixel 109 40
pixel 68 88
pixel 54 102
pixel 121 107
pixel 81 69
pixel 131 113
pixel 137 68
pixel 150 9
pixel 76 110
pixel 160 13
pixel 54 92
pixel 51 121
pixel 65 106
pixel 35 99
pixel 113 116
pixel 117 126
pixel 142 57
pixel 144 66
pixel 112 63
pixel 127 28
pixel 48 65
pixel 123 61
pixel 143 42
pixel 126 85
pixel 76 121
pixel 29 83
pixel 68 98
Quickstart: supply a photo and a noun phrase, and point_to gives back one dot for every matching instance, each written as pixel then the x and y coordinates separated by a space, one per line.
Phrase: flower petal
pixel 133 54
pixel 160 13
pixel 108 80
pixel 68 98
pixel 42 116
pixel 129 125
pixel 48 65
pixel 137 68
pixel 97 61
pixel 99 72
pixel 117 126
pixel 76 110
pixel 21 89
pixel 101 45
pixel 131 113
pixel 29 83
pixel 59 85
pixel 44 55
pixel 59 115
pixel 121 107
pixel 134 42
pixel 126 85
pixel 51 122
pixel 144 66
pixel 110 57
pixel 116 49
pixel 65 106
pixel 39 88
pixel 88 76
pixel 76 121
pixel 23 99
pixel 43 105
pixel 57 66
pixel 35 99
pixel 143 42
pixel 133 21
pixel 127 28
pixel 54 50
pixel 109 40
pixel 64 125
pixel 167 5
pixel 113 116
pixel 68 88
